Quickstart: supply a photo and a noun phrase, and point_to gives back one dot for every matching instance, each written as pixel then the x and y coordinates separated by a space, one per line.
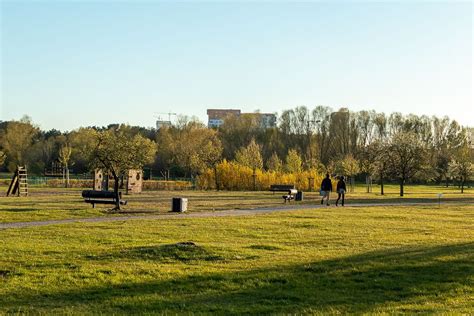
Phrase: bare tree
pixel 406 156
pixel 369 156
pixel 380 122
pixel 64 157
pixel 322 115
pixel 462 165
pixel 340 133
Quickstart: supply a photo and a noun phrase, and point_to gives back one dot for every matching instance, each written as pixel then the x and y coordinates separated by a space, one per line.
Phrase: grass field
pixel 47 204
pixel 377 259
pixel 393 259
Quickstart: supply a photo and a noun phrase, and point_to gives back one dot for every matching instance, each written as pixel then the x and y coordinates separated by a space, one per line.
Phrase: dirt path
pixel 242 212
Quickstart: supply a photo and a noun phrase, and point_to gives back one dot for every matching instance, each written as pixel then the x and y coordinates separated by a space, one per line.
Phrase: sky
pixel 68 64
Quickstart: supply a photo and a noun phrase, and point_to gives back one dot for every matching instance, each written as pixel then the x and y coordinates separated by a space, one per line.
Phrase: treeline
pixel 366 144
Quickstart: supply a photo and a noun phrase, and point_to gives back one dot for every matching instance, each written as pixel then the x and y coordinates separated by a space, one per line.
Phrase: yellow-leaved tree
pixel 251 157
pixel 293 162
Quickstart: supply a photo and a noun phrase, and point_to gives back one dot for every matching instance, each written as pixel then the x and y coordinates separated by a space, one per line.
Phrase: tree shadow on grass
pixel 20 210
pixel 354 284
pixel 58 208
pixel 404 200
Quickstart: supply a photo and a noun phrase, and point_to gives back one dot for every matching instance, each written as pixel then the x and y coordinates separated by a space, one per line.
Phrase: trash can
pixel 179 204
pixel 299 196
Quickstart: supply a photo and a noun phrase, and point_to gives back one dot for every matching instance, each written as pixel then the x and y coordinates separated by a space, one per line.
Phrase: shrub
pixel 153 185
pixel 73 183
pixel 235 177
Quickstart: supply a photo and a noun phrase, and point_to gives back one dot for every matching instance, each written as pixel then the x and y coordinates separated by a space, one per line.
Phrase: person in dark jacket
pixel 341 190
pixel 326 188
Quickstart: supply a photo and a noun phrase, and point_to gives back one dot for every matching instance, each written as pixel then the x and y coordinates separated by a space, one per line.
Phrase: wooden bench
pixel 289 188
pixel 282 187
pixel 101 197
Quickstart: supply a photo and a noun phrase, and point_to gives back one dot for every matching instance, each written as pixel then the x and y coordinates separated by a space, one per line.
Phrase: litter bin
pixel 299 196
pixel 179 204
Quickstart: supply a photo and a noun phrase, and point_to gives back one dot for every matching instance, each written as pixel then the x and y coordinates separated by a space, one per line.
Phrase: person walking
pixel 326 188
pixel 341 190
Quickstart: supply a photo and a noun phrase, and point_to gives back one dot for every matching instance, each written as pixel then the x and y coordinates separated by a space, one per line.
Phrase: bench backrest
pixel 93 194
pixel 282 187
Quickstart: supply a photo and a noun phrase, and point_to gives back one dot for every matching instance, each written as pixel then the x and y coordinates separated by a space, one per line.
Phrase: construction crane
pixel 169 115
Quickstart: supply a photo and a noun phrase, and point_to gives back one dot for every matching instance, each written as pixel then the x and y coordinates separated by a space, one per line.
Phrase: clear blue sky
pixel 79 63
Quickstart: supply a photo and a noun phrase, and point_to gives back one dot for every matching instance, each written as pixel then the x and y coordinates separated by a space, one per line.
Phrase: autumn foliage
pixel 236 177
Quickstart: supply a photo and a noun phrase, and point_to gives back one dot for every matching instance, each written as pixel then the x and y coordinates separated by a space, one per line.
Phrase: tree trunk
pixel 447 181
pixel 116 191
pixel 67 177
pixel 462 184
pixel 402 181
pixel 215 178
pixel 121 181
pixel 381 184
pixel 254 180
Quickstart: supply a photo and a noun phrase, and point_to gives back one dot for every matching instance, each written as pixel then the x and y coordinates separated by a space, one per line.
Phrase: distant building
pixel 267 120
pixel 160 124
pixel 216 116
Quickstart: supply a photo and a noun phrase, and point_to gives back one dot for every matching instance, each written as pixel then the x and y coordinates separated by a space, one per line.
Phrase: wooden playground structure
pixel 19 184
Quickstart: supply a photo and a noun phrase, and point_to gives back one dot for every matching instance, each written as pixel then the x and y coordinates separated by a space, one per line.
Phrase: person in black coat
pixel 341 190
pixel 326 188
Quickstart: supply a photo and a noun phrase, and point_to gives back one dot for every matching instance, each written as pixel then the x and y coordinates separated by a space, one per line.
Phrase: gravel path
pixel 242 212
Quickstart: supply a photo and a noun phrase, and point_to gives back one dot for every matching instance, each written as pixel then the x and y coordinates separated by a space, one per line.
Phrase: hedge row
pixel 150 185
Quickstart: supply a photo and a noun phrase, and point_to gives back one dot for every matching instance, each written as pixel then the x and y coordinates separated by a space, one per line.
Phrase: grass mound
pixel 185 252
pixel 182 252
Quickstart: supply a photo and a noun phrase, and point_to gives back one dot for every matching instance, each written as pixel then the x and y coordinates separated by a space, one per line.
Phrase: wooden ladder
pixel 19 183
pixel 22 181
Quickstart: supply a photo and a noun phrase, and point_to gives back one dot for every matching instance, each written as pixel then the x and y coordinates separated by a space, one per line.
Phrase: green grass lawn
pixel 326 261
pixel 46 203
